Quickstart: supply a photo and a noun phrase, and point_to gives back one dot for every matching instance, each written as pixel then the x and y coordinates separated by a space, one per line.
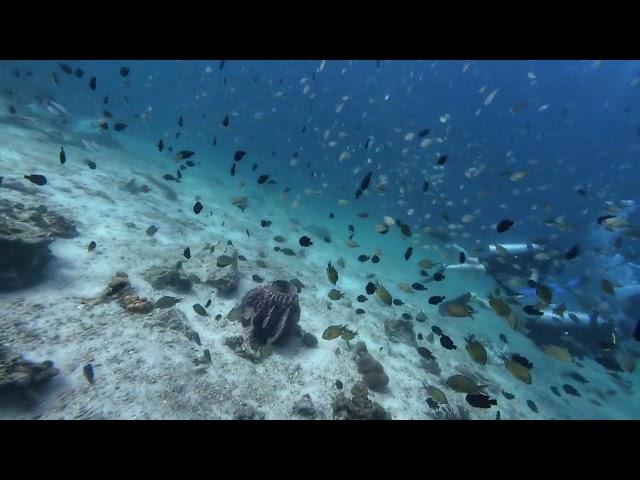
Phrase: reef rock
pixel 248 412
pixel 120 288
pixel 170 278
pixel 372 371
pixel 174 319
pixel 18 375
pixel 224 279
pixel 25 235
pixel 400 330
pixel 359 407
pixel 270 314
pixel 305 407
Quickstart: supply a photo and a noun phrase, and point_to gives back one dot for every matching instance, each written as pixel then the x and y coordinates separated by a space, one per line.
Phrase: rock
pixel 359 407
pixel 195 279
pixel 237 344
pixel 18 375
pixel 400 330
pixel 174 319
pixel 25 235
pixel 360 347
pixel 305 407
pixel 136 304
pixel 309 340
pixel 224 279
pixel 171 278
pixel 248 412
pixel 372 371
pixel 270 314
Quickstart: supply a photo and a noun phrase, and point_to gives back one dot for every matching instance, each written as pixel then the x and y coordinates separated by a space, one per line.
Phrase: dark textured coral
pixel 271 313
pixel 372 371
pixel 359 407
pixel 17 373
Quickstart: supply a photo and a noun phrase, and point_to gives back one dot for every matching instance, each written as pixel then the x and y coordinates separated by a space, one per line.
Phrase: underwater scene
pixel 319 239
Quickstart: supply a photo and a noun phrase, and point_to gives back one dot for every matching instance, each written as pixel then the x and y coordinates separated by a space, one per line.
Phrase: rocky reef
pixel 372 371
pixel 359 407
pixel 400 330
pixel 224 276
pixel 171 278
pixel 271 313
pixel 120 288
pixel 20 376
pixel 25 236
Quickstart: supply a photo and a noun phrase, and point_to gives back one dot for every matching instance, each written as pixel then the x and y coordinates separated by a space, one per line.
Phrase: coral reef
pixel 400 330
pixel 309 340
pixel 305 407
pixel 359 407
pixel 224 278
pixel 271 313
pixel 247 412
pixel 372 371
pixel 120 288
pixel 25 235
pixel 171 278
pixel 243 350
pixel 18 375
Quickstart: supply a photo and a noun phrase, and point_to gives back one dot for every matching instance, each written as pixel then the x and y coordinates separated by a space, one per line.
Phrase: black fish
pixel 118 127
pixel 180 121
pixel 12 110
pixel 360 311
pixel 248 235
pixel 222 62
pixel 208 304
pixel 522 361
pixel 531 310
pixel 361 298
pixel 105 100
pixel 425 186
pixel 555 390
pixel 124 71
pixel 178 174
pixel 636 332
pixel 463 257
pixel 233 169
pixel 187 253
pixel 407 316
pixel 363 258
pixel 168 176
pixel 331 215
pixel 420 337
pixel 151 230
pixel 91 246
pixel 424 132
pixel 351 228
pixel 436 299
pixel 160 145
pixel 103 125
pixel 239 155
pixel 265 223
pixel 65 68
pixel 92 84
pixel 375 259
pixel 215 141
pixel 107 114
pixel 447 343
pixel 305 241
pixel 370 288
pixel 365 182
pixel 437 330
pixel 263 178
pixel 438 276
pixel 89 163
pixel 504 225
pixel 37 179
pixel 573 252
pixel 184 154
pixel 88 373
pixel 253 167
pixel 508 396
pixel 418 286
pixel 304 129
pixel 479 400
pixel 197 208
pixel 339 385
pixel 571 390
pixel 358 193
pixel 63 156
pixel 189 163
pixel 225 121
pixel 366 145
pixel 177 134
pixel 532 406
pixel 407 253
pixel 442 159
pixel 397 302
